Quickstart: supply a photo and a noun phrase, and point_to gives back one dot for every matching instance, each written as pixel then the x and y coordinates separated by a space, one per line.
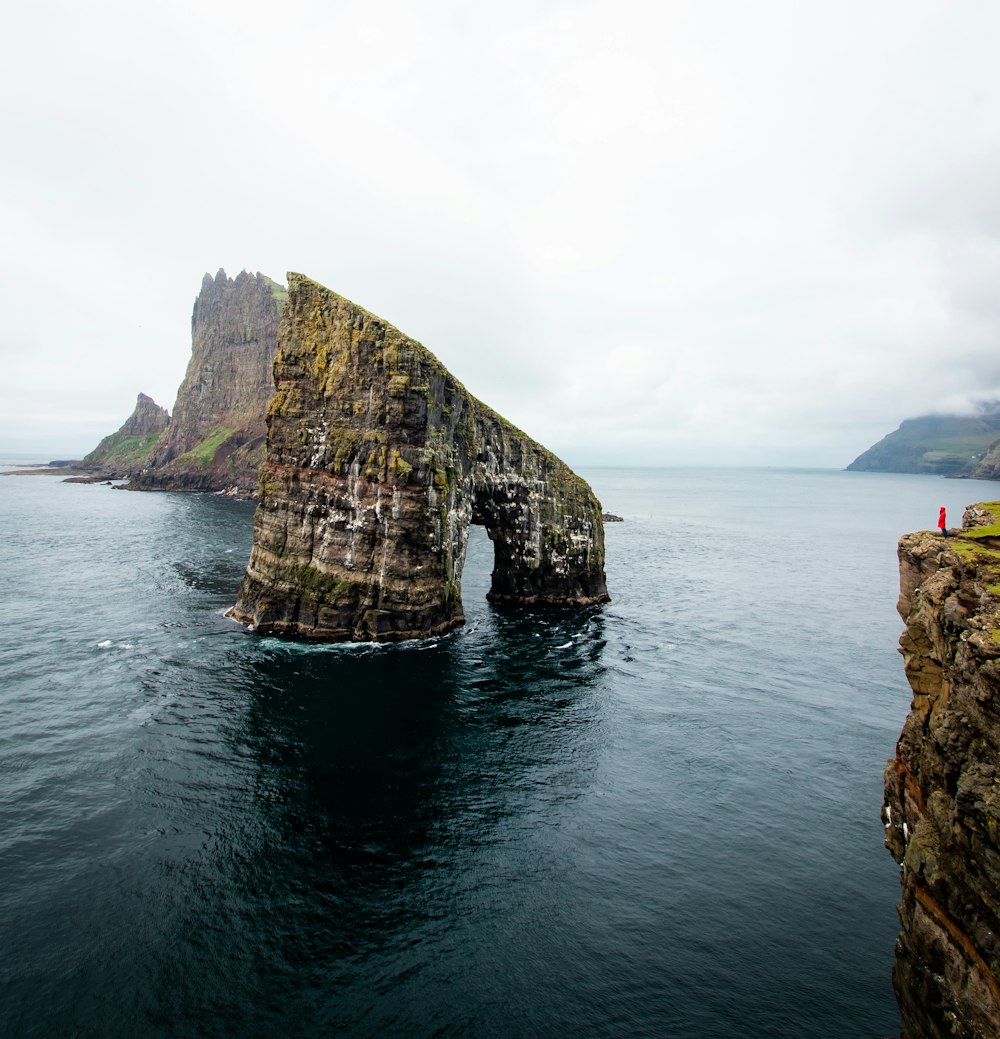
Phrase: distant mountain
pixel 989 467
pixel 215 439
pixel 132 445
pixel 948 445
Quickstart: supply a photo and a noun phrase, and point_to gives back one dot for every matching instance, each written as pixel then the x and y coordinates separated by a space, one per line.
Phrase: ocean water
pixel 655 818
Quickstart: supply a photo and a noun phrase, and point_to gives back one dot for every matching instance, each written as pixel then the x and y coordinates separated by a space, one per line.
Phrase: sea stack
pixel 215 440
pixel 942 790
pixel 378 460
pixel 133 444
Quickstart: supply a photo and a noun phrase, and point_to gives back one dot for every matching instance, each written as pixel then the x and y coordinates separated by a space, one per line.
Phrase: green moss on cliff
pixel 375 469
pixel 977 547
pixel 378 405
pixel 315 584
pixel 985 559
pixel 287 400
pixel 398 464
pixel 278 292
pixel 398 385
pixel 992 530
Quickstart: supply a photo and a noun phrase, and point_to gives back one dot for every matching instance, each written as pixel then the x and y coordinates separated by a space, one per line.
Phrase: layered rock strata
pixel 133 444
pixel 215 440
pixel 942 790
pixel 378 460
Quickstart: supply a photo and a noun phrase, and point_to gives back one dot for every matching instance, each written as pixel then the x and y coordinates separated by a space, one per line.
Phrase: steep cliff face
pixel 215 440
pixel 378 460
pixel 989 467
pixel 132 445
pixel 942 811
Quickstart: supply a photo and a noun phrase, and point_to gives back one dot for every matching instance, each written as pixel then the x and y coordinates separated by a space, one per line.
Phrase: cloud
pixel 676 232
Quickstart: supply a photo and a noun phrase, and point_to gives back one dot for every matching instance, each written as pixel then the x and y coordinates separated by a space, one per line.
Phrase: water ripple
pixel 659 817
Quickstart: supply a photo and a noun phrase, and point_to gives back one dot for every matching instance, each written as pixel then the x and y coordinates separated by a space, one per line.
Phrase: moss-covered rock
pixel 942 789
pixel 378 461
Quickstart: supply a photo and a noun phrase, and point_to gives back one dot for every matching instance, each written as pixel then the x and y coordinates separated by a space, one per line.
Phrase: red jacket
pixel 942 521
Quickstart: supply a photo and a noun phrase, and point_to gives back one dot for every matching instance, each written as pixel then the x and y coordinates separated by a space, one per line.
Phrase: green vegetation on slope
pixel 203 453
pixel 278 291
pixel 122 452
pixel 941 444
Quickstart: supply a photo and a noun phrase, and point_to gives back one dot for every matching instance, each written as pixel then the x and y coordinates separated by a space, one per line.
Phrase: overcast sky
pixel 662 233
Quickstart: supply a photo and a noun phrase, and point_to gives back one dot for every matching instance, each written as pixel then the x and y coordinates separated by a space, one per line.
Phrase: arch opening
pixel 378 462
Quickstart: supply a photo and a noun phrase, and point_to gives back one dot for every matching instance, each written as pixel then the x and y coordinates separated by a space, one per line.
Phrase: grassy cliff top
pixel 987 525
pixel 278 291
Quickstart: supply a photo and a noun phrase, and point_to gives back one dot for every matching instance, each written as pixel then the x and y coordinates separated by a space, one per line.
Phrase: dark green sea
pixel 657 818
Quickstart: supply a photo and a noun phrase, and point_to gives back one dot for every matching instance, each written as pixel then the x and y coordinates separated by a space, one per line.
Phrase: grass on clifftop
pixel 991 531
pixel 278 291
pixel 968 544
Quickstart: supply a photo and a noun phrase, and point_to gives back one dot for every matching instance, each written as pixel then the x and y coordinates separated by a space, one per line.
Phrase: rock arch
pixel 378 460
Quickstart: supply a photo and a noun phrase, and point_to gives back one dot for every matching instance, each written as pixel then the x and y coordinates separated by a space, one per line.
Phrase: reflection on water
pixel 370 802
pixel 387 744
pixel 657 817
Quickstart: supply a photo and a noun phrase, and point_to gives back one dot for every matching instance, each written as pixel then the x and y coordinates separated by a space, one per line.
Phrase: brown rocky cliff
pixel 942 790
pixel 132 445
pixel 989 466
pixel 148 417
pixel 216 437
pixel 378 461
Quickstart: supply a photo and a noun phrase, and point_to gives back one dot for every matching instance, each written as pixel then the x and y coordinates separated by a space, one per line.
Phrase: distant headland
pixel 943 445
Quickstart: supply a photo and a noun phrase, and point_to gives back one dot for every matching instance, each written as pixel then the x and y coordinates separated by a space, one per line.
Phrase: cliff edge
pixel 378 460
pixel 942 790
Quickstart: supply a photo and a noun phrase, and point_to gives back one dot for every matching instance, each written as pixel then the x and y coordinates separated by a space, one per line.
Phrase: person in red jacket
pixel 943 523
